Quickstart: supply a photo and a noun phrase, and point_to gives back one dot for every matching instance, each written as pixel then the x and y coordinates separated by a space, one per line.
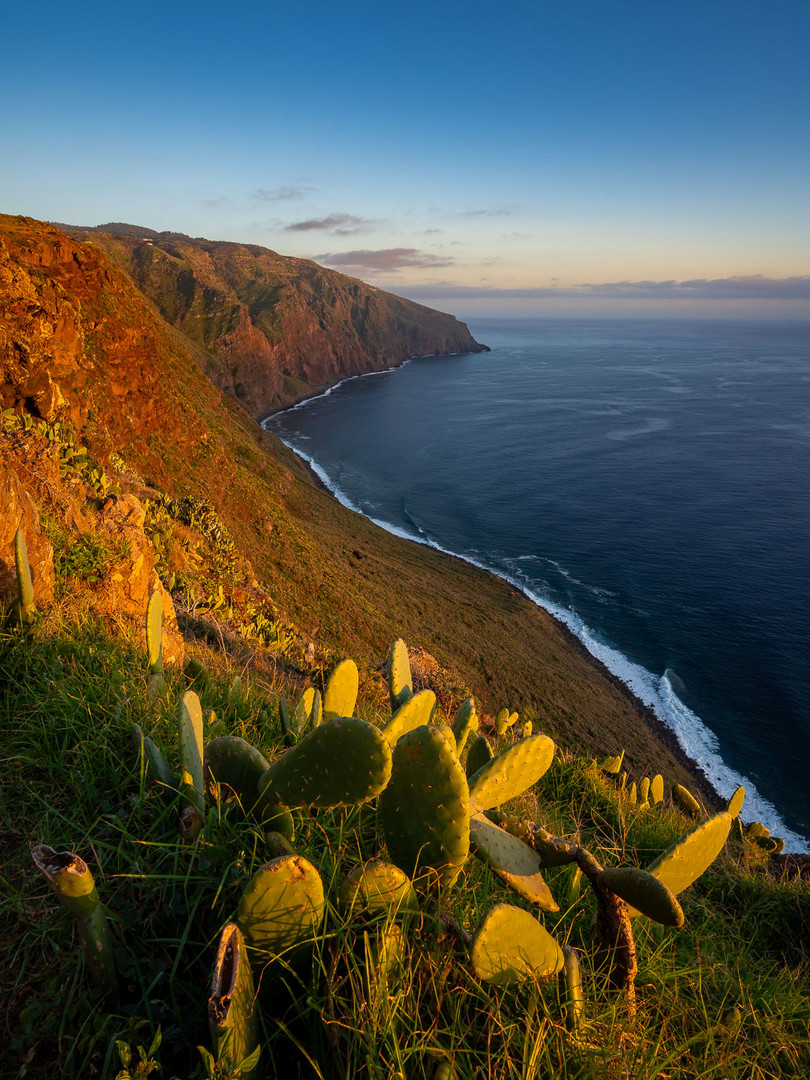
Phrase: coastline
pixel 669 737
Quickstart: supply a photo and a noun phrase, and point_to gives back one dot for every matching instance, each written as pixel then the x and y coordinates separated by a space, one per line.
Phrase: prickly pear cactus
pixel 612 765
pixel 644 791
pixel 340 692
pixel 232 1015
pixel 400 682
pixel 425 808
pixel 510 773
pixel 687 802
pixel 479 754
pixel 158 765
pixel 341 762
pixel 689 857
pixel 282 906
pixel 236 765
pixel 512 860
pixel 644 891
pixel 190 733
pixel 26 608
pixel 465 722
pixel 154 633
pixel 416 711
pixel 510 945
pixel 657 789
pixel 735 803
pixel 575 1004
pixel 377 888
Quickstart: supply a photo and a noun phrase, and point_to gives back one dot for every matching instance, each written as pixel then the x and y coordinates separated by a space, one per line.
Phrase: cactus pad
pixel 400 682
pixel 479 754
pixel 189 725
pixel 464 723
pixel 342 761
pixel 644 791
pixel 235 764
pixel 512 860
pixel 416 711
pixel 340 693
pixel 154 633
pixel 158 764
pixel 686 801
pixel 377 888
pixel 657 789
pixel 510 773
pixel 231 1007
pixel 612 765
pixel 644 891
pixel 425 809
pixel 689 857
pixel 575 1005
pixel 735 803
pixel 510 945
pixel 26 608
pixel 282 906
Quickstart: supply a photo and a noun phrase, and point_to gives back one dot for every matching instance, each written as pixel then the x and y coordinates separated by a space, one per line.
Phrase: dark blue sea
pixel 645 481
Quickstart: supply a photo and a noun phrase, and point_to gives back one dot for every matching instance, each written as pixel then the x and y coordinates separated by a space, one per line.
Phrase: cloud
pixel 384 259
pixel 500 211
pixel 750 287
pixel 340 224
pixel 281 194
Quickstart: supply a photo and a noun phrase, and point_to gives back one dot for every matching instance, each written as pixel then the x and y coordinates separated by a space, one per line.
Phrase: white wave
pixel 696 740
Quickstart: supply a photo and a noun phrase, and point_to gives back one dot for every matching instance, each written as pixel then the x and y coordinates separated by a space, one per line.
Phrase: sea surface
pixel 645 481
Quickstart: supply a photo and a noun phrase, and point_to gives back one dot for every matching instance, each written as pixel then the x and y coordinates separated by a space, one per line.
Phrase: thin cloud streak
pixel 750 287
pixel 383 259
pixel 281 194
pixel 341 224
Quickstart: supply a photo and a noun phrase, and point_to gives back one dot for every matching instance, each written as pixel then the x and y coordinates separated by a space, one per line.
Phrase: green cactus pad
pixel 510 946
pixel 756 828
pixel 479 754
pixel 235 764
pixel 612 765
pixel 657 789
pixel 735 803
pixel 400 682
pixel 510 773
pixel 343 761
pixel 512 719
pixel 644 891
pixel 575 1004
pixel 415 712
pixel 464 723
pixel 282 906
pixel 512 860
pixel 686 801
pixel 340 693
pixel 307 712
pixel 377 888
pixel 190 728
pixel 232 1014
pixel 644 791
pixel 154 633
pixel 235 690
pixel 425 809
pixel 26 608
pixel 632 794
pixel 689 857
pixel 535 836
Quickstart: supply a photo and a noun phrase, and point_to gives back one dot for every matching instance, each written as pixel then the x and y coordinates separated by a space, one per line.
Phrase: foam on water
pixel 656 692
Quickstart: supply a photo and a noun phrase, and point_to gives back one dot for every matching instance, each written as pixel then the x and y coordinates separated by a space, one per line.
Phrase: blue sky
pixel 483 156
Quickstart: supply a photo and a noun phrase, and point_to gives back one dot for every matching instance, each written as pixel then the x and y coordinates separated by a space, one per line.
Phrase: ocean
pixel 646 482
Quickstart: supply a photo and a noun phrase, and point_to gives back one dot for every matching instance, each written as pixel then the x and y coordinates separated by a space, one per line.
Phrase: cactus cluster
pixel 433 807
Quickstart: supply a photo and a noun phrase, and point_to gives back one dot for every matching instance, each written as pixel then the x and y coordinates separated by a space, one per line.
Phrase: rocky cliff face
pixel 279 329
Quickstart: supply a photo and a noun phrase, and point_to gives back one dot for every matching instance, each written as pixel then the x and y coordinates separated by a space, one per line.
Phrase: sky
pixel 484 157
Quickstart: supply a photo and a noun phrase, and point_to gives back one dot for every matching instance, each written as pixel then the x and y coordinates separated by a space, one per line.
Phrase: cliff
pixel 79 344
pixel 274 329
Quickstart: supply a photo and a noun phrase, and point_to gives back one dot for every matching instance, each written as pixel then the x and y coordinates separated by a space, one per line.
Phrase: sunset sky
pixel 479 156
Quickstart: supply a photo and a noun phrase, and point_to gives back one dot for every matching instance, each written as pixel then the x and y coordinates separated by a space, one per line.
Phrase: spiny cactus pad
pixel 657 789
pixel 307 713
pixel 377 888
pixel 510 945
pixel 190 732
pixel 232 1016
pixel 158 764
pixel 735 803
pixel 154 633
pixel 686 801
pixel 689 857
pixel 510 773
pixel 425 808
pixel 644 891
pixel 282 906
pixel 415 712
pixel 400 682
pixel 512 860
pixel 479 754
pixel 612 765
pixel 644 791
pixel 25 589
pixel 343 761
pixel 464 723
pixel 235 764
pixel 340 693
pixel 575 1005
